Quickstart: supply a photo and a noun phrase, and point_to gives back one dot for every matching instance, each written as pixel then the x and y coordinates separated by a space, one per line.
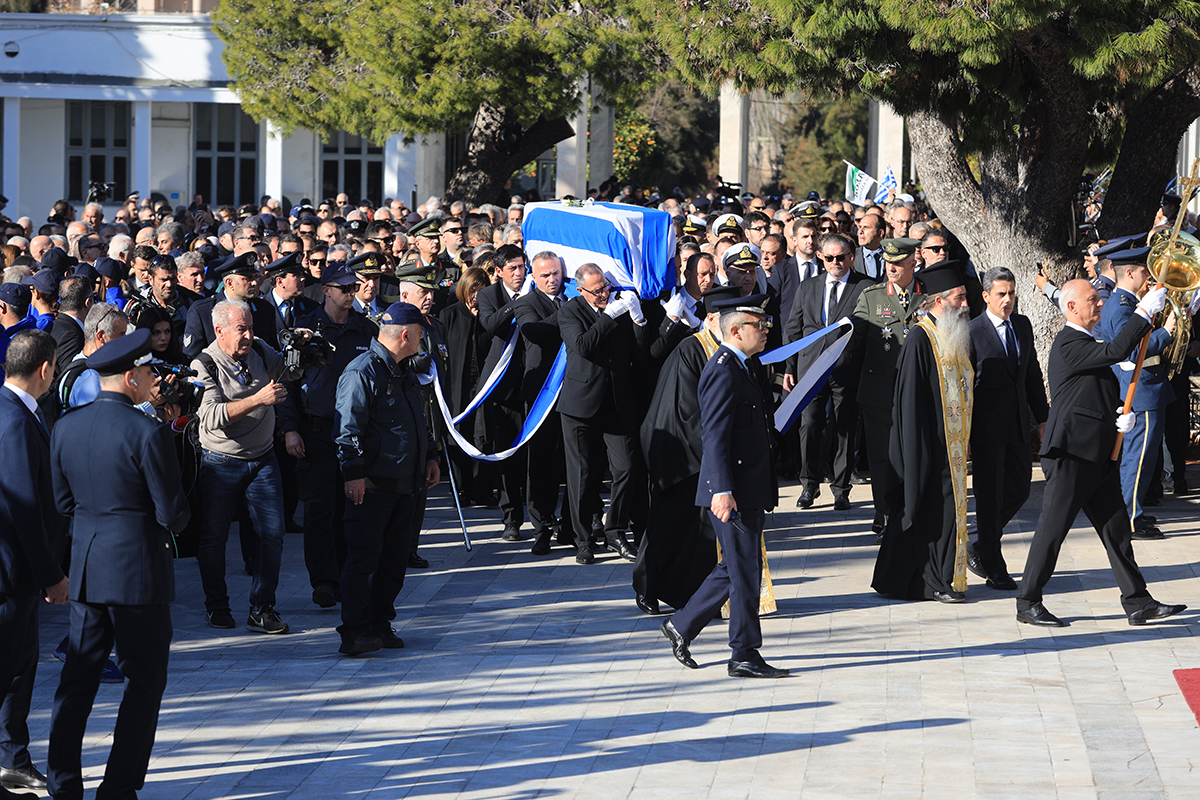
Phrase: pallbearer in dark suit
pixel 125 498
pixel 1008 386
pixel 606 341
pixel 737 476
pixel 1076 453
pixel 502 410
pixel 823 301
pixel 31 541
pixel 536 314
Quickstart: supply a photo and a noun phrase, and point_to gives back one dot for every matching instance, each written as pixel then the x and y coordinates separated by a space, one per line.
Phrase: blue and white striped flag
pixel 888 184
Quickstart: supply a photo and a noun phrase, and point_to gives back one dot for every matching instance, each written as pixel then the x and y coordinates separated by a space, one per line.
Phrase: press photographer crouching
pixel 243 381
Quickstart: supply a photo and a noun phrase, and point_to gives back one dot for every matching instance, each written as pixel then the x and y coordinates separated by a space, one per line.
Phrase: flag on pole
pixel 888 184
pixel 858 185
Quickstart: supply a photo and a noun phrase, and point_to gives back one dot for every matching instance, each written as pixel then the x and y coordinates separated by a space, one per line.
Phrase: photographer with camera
pixel 162 291
pixel 307 422
pixel 242 378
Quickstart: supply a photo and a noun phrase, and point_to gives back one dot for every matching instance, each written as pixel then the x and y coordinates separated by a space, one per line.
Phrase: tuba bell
pixel 1177 267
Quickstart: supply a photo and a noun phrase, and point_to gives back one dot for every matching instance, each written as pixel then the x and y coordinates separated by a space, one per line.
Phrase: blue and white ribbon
pixel 810 383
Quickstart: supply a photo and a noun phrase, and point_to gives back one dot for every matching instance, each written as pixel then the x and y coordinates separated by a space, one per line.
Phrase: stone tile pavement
pixel 534 677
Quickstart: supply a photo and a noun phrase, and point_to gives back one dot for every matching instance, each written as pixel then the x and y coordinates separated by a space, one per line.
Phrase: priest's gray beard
pixel 954 335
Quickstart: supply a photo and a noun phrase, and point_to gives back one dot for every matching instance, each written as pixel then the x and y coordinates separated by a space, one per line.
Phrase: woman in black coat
pixel 468 345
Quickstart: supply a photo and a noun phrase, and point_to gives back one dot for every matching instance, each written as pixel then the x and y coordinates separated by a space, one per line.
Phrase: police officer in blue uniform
pixel 1141 447
pixel 241 280
pixel 125 499
pixel 738 485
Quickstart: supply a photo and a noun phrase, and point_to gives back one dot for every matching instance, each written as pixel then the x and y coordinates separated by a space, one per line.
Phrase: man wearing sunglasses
pixel 819 303
pixel 427 236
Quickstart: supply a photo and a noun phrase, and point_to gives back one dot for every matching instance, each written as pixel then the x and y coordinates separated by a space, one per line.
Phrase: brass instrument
pixel 1174 261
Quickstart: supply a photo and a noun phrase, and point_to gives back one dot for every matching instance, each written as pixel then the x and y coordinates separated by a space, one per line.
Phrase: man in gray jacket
pixel 243 381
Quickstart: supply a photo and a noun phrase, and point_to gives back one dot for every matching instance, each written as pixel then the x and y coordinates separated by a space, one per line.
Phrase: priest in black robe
pixel 678 549
pixel 923 554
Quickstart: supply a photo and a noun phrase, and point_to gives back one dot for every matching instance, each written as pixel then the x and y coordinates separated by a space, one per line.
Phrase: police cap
pixel 245 264
pixel 1119 243
pixel 366 264
pixel 402 314
pixel 1135 257
pixel 289 263
pixel 356 227
pixel 716 295
pixel 750 304
pixel 122 354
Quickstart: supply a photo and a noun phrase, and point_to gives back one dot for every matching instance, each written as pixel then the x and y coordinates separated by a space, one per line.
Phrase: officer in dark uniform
pixel 367 266
pixel 240 277
pixel 388 462
pixel 306 418
pixel 125 499
pixel 427 236
pixel 1141 447
pixel 284 290
pixel 882 318
pixel 738 485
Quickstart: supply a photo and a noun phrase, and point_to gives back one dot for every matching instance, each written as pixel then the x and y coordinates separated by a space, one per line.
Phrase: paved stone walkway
pixel 534 677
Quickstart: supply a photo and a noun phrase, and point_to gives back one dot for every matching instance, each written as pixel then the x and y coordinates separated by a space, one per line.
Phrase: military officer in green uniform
pixel 427 236
pixel 882 318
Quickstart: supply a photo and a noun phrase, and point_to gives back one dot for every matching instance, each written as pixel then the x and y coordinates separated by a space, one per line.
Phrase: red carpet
pixel 1189 684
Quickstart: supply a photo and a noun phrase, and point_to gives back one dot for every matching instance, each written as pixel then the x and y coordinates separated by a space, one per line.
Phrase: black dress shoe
pixel 858 479
pixel 1153 500
pixel 807 498
pixel 949 597
pixel 1150 519
pixel 755 669
pixel 5 794
pixel 1002 580
pixel 25 778
pixel 841 503
pixel 291 526
pixel 622 548
pixel 1147 533
pixel 1154 610
pixel 1037 614
pixel 359 644
pixel 648 605
pixel 679 645
pixel 511 533
pixel 416 562
pixel 976 566
pixel 389 639
pixel 1181 488
pixel 541 547
pixel 323 596
pixel 584 556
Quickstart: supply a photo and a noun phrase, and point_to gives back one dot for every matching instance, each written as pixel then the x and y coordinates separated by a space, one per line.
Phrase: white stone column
pixel 142 121
pixel 733 163
pixel 571 154
pixel 11 187
pixel 600 145
pixel 273 161
pixel 431 166
pixel 885 142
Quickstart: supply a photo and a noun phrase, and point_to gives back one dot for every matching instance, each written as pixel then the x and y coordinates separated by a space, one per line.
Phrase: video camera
pixel 100 191
pixel 298 353
pixel 183 391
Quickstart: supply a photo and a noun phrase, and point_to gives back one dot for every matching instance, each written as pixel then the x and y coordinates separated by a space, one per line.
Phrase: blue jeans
pixel 223 482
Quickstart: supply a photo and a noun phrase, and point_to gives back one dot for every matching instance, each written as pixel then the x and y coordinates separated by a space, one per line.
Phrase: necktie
pixel 41 418
pixel 287 313
pixel 1010 343
pixel 832 303
pixel 878 270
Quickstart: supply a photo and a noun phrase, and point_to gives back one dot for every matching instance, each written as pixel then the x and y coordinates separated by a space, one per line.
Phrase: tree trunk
pixel 1146 165
pixel 499 147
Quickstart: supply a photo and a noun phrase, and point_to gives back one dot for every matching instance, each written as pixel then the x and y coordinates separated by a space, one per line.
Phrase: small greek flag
pixel 888 184
pixel 858 185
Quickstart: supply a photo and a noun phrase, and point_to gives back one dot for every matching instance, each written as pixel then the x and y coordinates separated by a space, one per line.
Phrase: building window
pixel 98 134
pixel 352 165
pixel 226 152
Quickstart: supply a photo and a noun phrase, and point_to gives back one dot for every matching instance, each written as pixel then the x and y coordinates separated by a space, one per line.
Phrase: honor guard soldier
pixel 738 485
pixel 125 498
pixel 1142 446
pixel 428 238
pixel 882 318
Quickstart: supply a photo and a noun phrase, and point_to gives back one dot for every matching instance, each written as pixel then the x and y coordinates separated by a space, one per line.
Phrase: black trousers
pixel 877 423
pixel 324 493
pixel 546 473
pixel 379 533
pixel 738 579
pixel 813 422
pixel 1073 484
pixel 678 549
pixel 1001 477
pixel 143 638
pixel 585 441
pixel 504 425
pixel 18 669
pixel 1176 425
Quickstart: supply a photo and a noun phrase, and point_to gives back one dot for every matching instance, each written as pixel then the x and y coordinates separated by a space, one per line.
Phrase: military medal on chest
pixel 887 338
